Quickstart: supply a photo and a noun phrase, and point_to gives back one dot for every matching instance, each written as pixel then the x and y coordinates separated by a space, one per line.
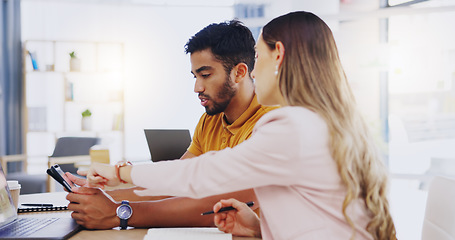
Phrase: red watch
pixel 117 169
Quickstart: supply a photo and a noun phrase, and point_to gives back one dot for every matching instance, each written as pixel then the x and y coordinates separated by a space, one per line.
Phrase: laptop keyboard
pixel 25 226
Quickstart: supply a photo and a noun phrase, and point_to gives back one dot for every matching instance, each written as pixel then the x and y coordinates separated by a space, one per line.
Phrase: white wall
pixel 158 84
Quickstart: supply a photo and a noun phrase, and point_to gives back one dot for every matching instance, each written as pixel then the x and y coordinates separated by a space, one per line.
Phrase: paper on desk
pixel 187 234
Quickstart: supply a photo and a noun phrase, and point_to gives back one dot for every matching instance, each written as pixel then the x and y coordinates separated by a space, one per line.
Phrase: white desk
pixel 58 199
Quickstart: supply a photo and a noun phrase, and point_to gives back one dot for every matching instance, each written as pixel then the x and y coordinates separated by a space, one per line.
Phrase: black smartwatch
pixel 124 212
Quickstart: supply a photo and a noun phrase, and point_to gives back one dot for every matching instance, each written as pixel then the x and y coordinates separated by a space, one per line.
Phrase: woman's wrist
pixel 125 174
pixel 257 227
pixel 257 233
pixel 118 171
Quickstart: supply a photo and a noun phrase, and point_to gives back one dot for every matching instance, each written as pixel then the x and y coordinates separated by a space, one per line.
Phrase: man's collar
pixel 247 114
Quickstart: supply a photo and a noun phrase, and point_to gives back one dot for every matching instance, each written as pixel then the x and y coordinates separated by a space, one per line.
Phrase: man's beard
pixel 225 95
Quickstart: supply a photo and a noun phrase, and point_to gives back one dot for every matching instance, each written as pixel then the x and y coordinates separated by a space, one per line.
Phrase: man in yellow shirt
pixel 222 58
pixel 214 133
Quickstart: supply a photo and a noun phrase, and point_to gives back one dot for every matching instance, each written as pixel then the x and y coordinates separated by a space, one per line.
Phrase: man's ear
pixel 279 51
pixel 241 71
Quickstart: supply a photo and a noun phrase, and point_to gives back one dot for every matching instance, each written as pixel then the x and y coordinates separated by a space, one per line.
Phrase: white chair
pixel 439 220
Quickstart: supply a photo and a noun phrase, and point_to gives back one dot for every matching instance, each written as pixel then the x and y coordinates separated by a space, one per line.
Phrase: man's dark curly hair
pixel 230 42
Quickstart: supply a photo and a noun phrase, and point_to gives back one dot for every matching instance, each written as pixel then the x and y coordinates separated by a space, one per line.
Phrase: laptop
pixel 14 227
pixel 167 144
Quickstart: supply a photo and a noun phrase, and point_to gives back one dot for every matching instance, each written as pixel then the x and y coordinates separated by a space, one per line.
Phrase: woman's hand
pixel 100 175
pixel 240 222
pixel 77 180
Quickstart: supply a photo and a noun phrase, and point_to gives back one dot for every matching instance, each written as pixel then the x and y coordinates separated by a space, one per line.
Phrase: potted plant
pixel 75 62
pixel 86 123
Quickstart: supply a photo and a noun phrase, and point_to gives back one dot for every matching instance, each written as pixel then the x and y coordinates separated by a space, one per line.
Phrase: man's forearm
pixel 128 194
pixel 180 212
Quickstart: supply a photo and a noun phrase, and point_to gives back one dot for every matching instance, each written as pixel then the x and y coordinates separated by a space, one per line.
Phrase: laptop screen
pixel 7 210
pixel 167 144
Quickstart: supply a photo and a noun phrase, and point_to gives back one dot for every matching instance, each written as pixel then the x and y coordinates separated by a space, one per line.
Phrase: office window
pixel 393 3
pixel 422 93
pixel 245 11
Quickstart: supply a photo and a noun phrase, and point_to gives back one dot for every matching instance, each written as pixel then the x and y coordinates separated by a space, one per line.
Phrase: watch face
pixel 124 212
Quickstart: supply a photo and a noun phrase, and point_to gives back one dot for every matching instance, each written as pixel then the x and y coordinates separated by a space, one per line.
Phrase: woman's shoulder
pixel 291 113
pixel 291 120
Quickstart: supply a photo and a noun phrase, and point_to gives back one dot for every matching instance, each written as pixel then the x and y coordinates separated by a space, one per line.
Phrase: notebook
pixel 187 234
pixel 14 227
pixel 167 144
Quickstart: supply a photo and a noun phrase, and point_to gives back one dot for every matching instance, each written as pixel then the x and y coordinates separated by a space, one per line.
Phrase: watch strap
pixel 123 224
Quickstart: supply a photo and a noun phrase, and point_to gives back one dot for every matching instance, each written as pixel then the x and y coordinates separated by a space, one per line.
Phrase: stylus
pixel 37 204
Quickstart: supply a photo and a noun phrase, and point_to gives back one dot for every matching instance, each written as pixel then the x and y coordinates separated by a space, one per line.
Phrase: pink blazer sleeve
pixel 288 146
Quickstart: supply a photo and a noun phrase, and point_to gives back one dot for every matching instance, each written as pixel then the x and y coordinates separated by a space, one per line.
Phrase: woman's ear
pixel 279 51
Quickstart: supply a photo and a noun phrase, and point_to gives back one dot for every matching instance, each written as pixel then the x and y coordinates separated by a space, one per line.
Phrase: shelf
pixel 110 102
pixel 88 133
pixel 69 72
pixel 55 97
pixel 39 71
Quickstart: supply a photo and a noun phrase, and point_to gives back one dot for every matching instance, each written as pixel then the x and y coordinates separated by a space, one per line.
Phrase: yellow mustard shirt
pixel 212 133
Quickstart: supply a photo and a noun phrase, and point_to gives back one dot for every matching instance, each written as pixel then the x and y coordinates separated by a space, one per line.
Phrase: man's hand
pixel 240 222
pixel 92 208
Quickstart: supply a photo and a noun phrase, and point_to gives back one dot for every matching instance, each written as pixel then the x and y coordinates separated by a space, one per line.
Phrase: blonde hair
pixel 311 76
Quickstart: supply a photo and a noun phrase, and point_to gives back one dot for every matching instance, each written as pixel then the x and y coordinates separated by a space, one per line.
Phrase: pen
pixel 37 204
pixel 249 204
